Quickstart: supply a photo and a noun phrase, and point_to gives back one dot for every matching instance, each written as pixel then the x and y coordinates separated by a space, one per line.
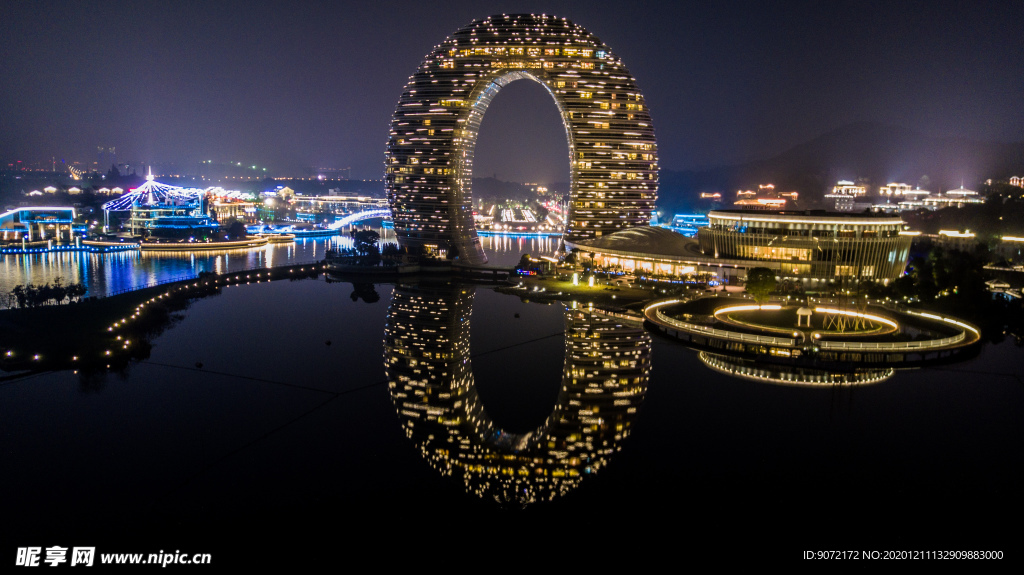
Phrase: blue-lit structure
pixel 87 248
pixel 162 211
pixel 37 223
pixel 291 230
pixel 174 219
pixel 331 230
pixel 151 192
pixel 688 224
pixel 360 216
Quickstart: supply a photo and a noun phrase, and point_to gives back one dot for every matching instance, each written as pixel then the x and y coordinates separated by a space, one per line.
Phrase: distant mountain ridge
pixel 873 153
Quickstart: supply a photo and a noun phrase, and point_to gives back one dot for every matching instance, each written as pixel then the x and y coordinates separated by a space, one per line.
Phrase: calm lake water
pixel 115 272
pixel 290 423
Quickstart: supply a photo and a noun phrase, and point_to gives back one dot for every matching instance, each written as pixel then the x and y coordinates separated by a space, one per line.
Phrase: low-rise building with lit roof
pixel 957 198
pixel 808 246
pixel 845 196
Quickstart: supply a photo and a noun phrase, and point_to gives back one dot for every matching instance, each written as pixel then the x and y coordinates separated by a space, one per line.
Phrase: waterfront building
pixel 429 162
pixel 819 245
pixel 174 218
pixel 36 224
pixel 646 251
pixel 161 211
pixel 240 210
pixel 807 246
pixel 226 204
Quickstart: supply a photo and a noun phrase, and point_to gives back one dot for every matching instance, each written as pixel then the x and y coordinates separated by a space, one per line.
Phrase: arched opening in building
pixel 521 162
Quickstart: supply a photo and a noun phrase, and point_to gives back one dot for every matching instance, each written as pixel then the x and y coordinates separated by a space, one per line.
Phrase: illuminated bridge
pixel 339 204
pixel 345 210
pixel 360 216
pixel 613 155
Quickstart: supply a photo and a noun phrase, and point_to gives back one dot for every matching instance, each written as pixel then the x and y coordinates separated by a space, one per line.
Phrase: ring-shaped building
pixel 613 155
pixel 429 366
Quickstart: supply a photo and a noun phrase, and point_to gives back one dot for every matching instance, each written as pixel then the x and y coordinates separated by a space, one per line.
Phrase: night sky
pixel 294 84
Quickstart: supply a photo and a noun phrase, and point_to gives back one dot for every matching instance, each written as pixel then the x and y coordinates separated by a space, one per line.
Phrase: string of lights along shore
pixel 613 154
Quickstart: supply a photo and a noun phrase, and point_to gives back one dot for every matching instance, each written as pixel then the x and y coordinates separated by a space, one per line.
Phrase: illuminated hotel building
pixel 894 189
pixel 429 369
pixel 957 198
pixel 809 246
pixel 765 198
pixel 844 196
pixel 613 154
pixel 902 197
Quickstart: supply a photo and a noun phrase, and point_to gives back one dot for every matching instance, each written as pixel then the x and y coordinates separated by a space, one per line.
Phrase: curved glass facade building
pixel 809 244
pixel 613 155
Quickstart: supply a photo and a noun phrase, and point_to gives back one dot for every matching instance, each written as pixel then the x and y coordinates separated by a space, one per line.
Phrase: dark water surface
pixel 289 446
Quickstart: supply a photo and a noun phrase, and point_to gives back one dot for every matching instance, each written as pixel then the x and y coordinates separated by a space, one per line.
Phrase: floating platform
pixel 87 246
pixel 303 234
pixel 252 242
pixel 278 238
pixel 817 348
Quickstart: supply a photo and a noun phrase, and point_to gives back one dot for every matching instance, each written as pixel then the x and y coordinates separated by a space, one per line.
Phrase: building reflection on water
pixel 429 368
pixel 790 375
